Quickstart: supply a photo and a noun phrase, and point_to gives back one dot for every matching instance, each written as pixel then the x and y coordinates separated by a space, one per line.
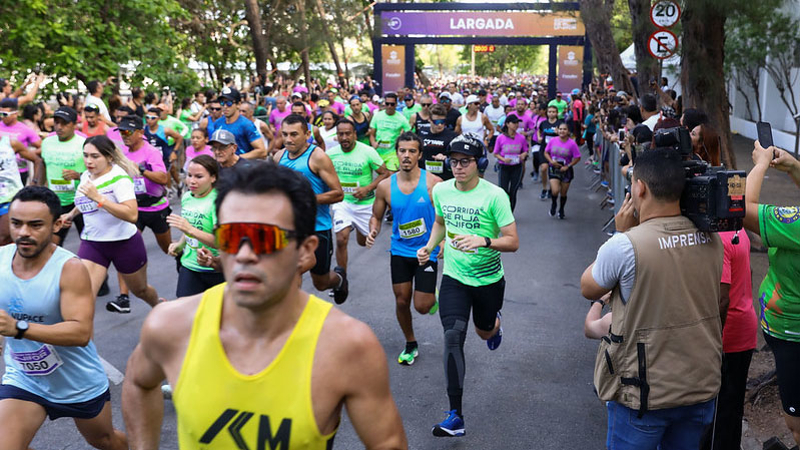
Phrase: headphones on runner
pixel 473 147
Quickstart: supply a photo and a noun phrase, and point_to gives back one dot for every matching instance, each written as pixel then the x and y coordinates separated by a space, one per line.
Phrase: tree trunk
pixel 331 45
pixel 702 69
pixel 253 15
pixel 301 7
pixel 596 15
pixel 647 67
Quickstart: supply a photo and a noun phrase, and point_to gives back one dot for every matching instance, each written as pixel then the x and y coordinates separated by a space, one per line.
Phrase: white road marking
pixel 114 375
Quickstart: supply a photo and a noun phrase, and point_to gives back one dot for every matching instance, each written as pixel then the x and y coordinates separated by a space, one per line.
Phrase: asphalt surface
pixel 534 392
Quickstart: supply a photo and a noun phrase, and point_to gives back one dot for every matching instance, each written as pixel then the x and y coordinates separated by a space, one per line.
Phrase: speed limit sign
pixel 665 13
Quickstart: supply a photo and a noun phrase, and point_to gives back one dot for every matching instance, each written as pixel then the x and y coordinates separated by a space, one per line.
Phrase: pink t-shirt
pixel 741 326
pixel 276 118
pixel 563 152
pixel 526 120
pixel 338 108
pixel 191 153
pixel 511 148
pixel 154 161
pixel 24 134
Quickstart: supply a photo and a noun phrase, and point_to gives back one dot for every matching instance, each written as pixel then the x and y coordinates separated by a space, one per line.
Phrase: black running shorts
pixel 405 269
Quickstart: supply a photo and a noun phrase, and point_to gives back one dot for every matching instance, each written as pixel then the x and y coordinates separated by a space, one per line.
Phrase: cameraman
pixel 664 276
pixel 779 294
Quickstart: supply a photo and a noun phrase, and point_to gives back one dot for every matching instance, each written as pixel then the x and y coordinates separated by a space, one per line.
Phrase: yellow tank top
pixel 220 408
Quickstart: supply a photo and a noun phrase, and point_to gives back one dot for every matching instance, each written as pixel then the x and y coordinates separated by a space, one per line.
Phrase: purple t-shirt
pixel 563 152
pixel 338 108
pixel 276 118
pixel 526 121
pixel 154 161
pixel 191 153
pixel 511 148
pixel 22 133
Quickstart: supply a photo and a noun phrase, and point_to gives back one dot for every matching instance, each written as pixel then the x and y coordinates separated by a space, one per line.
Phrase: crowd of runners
pixel 270 181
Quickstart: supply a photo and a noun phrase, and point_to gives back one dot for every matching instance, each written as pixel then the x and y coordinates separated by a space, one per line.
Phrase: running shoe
pixel 340 293
pixel 389 216
pixel 166 391
pixel 543 195
pixel 407 358
pixel 452 426
pixel 495 341
pixel 122 305
pixel 435 308
pixel 104 290
pixel 552 211
pixel 561 215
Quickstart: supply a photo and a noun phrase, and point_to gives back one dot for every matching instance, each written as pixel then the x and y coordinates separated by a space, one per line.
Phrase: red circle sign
pixel 665 13
pixel 662 44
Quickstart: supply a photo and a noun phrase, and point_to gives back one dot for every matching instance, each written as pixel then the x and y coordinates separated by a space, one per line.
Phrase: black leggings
pixel 191 282
pixel 510 178
pixel 590 143
pixel 727 432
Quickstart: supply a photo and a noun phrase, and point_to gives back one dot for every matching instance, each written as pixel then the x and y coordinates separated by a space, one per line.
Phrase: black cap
pixel 66 113
pixel 408 97
pixel 231 94
pixel 466 145
pixel 482 92
pixel 91 107
pixel 512 118
pixel 131 123
pixel 9 102
pixel 3 83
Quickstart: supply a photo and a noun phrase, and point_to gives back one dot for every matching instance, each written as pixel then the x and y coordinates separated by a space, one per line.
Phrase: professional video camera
pixel 713 197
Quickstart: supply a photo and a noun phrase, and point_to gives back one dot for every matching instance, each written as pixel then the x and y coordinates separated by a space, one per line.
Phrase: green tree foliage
pixel 505 59
pixel 94 39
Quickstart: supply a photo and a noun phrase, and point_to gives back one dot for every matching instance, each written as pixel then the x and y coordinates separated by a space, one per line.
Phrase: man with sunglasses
pixel 420 121
pixel 159 136
pixel 435 142
pixel 248 142
pixel 63 159
pixel 452 113
pixel 407 192
pixel 384 128
pixel 214 113
pixel 474 218
pixel 15 130
pixel 474 122
pixel 316 166
pixel 258 349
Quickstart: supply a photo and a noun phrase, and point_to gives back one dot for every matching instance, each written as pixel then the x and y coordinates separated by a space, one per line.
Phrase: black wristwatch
pixel 488 242
pixel 599 301
pixel 22 327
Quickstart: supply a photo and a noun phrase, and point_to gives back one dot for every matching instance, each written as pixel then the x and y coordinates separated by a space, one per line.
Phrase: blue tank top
pixel 301 165
pixel 413 218
pixel 158 140
pixel 58 374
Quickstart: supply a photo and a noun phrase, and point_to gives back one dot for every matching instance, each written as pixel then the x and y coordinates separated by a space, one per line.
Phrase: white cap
pixel 472 98
pixel 446 95
pixel 376 98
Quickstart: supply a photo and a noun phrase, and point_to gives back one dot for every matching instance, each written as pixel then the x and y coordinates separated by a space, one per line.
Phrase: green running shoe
pixel 435 308
pixel 407 358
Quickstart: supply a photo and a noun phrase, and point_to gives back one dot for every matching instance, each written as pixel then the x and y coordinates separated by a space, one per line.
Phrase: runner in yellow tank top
pixel 258 363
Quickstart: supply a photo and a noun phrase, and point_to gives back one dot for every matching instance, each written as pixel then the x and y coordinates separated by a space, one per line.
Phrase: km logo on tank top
pixel 238 419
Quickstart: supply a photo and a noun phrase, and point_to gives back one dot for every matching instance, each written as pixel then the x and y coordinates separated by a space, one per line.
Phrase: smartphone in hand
pixel 764 130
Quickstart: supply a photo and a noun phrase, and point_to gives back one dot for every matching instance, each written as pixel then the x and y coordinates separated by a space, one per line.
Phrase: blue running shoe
pixel 453 426
pixel 495 341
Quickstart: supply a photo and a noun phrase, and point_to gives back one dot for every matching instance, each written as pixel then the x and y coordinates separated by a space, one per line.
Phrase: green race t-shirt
pixel 561 106
pixel 479 212
pixel 59 156
pixel 175 125
pixel 779 294
pixel 201 213
pixel 408 112
pixel 355 170
pixel 387 130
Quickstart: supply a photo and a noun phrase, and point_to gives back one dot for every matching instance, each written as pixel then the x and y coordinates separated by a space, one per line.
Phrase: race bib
pixel 62 185
pixel 192 242
pixel 139 186
pixel 512 159
pixel 384 145
pixel 410 230
pixel 535 148
pixel 350 187
pixel 434 166
pixel 450 237
pixel 85 205
pixel 38 363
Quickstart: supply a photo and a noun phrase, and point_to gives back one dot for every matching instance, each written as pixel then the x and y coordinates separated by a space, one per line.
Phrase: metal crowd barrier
pixel 607 178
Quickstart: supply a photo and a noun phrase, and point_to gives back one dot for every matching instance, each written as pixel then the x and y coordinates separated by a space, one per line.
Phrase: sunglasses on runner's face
pixel 226 103
pixel 215 109
pixel 390 103
pixel 263 238
pixel 4 114
pixel 439 122
pixel 426 104
pixel 151 117
pixel 126 132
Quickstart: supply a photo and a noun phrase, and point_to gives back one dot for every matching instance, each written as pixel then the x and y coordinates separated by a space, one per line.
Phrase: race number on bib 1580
pixel 40 362
pixel 434 166
pixel 350 187
pixel 410 230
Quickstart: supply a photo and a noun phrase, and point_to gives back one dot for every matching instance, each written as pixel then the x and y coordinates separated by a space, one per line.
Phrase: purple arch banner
pixel 482 23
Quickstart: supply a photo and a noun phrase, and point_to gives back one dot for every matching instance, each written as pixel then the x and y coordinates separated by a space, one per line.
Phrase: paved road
pixel 534 392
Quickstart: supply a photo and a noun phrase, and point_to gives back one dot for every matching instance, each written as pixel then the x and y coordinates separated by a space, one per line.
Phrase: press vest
pixel 664 348
pixel 60 374
pixel 413 218
pixel 301 164
pixel 221 408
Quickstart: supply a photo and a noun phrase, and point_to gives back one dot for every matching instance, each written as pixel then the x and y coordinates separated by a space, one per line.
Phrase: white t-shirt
pixel 652 121
pixel 92 100
pixel 100 225
pixel 494 114
pixel 458 99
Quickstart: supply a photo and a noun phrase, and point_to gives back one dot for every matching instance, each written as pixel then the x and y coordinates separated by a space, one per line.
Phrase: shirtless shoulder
pixel 166 332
